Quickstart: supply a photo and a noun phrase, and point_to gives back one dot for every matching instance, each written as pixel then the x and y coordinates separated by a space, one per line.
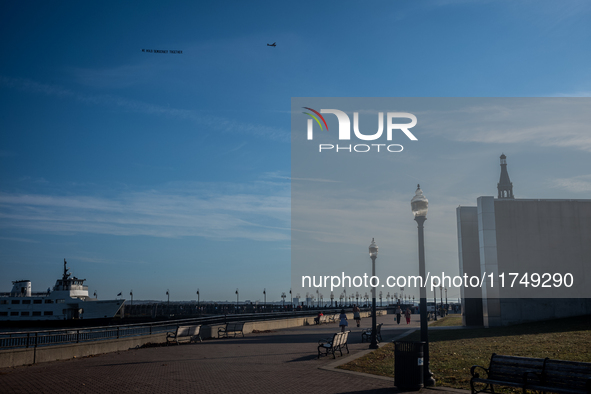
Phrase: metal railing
pixel 13 340
pixel 34 339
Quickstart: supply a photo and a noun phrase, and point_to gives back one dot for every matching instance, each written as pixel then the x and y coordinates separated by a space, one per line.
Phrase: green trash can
pixel 408 365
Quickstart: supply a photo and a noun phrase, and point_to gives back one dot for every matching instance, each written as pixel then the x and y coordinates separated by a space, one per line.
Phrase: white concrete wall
pixel 16 357
pixel 489 264
pixel 540 236
pixel 533 236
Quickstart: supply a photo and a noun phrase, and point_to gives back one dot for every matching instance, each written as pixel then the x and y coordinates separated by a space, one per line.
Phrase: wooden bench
pixel 366 334
pixel 184 332
pixel 344 341
pixel 320 319
pixel 324 319
pixel 331 346
pixel 234 328
pixel 557 376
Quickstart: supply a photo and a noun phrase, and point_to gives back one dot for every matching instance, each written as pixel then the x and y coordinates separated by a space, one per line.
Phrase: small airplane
pixel 272 45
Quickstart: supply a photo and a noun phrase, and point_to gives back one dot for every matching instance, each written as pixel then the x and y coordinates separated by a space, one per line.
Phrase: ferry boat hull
pixel 69 300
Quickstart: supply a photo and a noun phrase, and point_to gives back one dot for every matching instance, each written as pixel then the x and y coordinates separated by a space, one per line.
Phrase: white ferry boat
pixel 68 300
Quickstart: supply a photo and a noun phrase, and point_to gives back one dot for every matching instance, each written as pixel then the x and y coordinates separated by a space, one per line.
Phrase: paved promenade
pixel 282 361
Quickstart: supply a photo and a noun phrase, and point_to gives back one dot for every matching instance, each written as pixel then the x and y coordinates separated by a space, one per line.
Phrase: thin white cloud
pixel 118 76
pixel 33 180
pixel 235 148
pixel 314 180
pixel 575 94
pixel 276 175
pixel 547 122
pixel 576 184
pixel 100 260
pixel 212 122
pixel 548 15
pixel 35 87
pixel 15 239
pixel 259 215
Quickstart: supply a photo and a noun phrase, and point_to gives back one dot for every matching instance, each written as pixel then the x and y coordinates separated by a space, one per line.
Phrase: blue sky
pixel 172 171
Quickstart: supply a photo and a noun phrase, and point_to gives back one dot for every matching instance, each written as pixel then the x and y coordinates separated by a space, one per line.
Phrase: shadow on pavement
pixel 304 358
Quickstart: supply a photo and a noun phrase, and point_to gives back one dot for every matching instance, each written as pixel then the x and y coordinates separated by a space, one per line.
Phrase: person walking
pixel 407 314
pixel 398 314
pixel 356 314
pixel 343 320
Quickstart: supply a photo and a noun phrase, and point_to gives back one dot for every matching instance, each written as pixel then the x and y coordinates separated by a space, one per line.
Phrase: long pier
pixel 30 347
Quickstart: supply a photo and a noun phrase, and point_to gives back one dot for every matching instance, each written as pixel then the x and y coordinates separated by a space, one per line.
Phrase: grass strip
pixel 447 321
pixel 453 352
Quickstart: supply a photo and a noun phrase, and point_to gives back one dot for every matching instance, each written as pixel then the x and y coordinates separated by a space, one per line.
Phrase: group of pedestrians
pixel 343 322
pixel 399 314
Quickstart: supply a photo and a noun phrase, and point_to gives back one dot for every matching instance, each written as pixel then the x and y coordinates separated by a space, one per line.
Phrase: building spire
pixel 505 186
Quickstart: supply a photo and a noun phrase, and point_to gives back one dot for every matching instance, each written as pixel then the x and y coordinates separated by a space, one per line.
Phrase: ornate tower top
pixel 505 186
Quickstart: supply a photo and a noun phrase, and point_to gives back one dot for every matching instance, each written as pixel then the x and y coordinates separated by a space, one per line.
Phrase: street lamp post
pixel 168 303
pixel 283 297
pixel 331 298
pixel 446 304
pixel 381 303
pixel 265 301
pixel 291 296
pixel 373 254
pixel 131 294
pixel 237 295
pixel 95 296
pixel 357 297
pixel 441 297
pixel 435 302
pixel 198 302
pixel 420 204
pixel 345 291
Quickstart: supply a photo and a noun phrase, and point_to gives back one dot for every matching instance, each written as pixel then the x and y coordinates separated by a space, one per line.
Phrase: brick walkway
pixel 283 361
